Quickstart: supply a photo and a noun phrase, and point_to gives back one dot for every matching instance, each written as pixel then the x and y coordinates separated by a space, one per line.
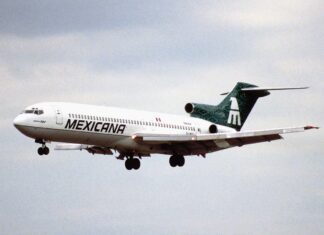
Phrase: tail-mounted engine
pixel 195 109
pixel 213 129
pixel 200 110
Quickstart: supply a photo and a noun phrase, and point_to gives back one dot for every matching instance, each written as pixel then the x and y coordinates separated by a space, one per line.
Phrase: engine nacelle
pixel 198 109
pixel 213 129
pixel 189 107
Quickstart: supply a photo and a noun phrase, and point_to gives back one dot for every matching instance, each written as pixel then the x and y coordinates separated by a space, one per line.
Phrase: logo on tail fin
pixel 234 116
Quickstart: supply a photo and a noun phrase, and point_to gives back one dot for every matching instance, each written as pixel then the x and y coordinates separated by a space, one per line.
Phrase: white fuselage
pixel 105 126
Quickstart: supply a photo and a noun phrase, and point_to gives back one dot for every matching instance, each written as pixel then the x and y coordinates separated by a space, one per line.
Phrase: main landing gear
pixel 132 163
pixel 44 150
pixel 177 160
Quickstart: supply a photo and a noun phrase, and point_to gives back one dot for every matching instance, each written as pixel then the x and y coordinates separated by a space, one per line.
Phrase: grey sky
pixel 157 56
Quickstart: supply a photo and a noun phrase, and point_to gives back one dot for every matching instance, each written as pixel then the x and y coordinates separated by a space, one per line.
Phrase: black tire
pixel 136 163
pixel 181 161
pixel 128 164
pixel 40 151
pixel 173 161
pixel 46 151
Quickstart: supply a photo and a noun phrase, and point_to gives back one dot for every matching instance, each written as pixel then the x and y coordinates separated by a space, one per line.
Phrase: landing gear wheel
pixel 43 151
pixel 173 161
pixel 128 164
pixel 177 160
pixel 46 150
pixel 181 161
pixel 40 151
pixel 132 163
pixel 136 163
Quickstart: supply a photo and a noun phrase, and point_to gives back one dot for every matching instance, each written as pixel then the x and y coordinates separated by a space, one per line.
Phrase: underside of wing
pixel 205 143
pixel 90 148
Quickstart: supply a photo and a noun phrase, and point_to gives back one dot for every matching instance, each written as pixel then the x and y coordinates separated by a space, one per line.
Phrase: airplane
pixel 136 134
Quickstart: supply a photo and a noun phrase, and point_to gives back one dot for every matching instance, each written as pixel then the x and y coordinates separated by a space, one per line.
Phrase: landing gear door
pixel 59 117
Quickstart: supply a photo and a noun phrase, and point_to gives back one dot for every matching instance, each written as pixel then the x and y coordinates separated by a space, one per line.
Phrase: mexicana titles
pixel 103 127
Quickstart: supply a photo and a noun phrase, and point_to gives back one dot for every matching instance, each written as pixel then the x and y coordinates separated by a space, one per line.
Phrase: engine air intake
pixel 213 129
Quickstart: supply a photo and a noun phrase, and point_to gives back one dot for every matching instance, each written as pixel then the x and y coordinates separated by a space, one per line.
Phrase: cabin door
pixel 59 117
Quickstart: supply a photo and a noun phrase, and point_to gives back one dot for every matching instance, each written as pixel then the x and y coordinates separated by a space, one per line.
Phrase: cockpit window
pixel 34 111
pixel 39 112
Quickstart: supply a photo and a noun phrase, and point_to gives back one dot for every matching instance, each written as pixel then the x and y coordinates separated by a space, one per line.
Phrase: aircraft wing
pixel 90 148
pixel 204 143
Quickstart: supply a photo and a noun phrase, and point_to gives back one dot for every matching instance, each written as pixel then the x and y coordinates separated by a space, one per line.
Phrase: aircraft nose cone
pixel 18 121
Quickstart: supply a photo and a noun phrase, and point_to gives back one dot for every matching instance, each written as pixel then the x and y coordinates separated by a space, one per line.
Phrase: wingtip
pixel 311 127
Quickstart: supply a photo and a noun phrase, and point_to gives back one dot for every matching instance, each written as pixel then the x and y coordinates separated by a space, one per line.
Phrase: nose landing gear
pixel 44 150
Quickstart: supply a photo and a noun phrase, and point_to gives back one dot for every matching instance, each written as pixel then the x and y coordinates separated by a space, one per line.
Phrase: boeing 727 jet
pixel 136 134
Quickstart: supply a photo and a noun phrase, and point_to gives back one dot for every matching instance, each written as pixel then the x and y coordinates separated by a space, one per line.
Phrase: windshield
pixel 34 111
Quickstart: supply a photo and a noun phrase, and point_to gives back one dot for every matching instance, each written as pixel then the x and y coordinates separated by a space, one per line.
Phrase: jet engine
pixel 213 129
pixel 200 109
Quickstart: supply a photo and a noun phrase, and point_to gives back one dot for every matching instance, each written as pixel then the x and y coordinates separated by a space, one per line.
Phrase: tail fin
pixel 235 108
pixel 237 105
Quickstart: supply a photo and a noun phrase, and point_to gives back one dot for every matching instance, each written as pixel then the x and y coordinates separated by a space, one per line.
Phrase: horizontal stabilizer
pixel 273 88
pixel 258 89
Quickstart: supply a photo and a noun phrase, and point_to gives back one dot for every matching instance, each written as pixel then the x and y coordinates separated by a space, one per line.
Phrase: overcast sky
pixel 157 56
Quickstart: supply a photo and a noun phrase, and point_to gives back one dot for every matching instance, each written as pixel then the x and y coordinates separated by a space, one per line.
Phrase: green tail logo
pixel 232 111
pixel 234 116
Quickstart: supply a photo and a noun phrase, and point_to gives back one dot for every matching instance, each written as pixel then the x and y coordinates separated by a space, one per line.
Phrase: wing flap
pixel 202 144
pixel 253 139
pixel 219 136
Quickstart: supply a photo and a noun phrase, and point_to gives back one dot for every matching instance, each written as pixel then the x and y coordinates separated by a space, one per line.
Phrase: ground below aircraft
pixel 136 134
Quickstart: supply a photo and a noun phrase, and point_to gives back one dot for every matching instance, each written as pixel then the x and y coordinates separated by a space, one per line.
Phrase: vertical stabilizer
pixel 233 110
